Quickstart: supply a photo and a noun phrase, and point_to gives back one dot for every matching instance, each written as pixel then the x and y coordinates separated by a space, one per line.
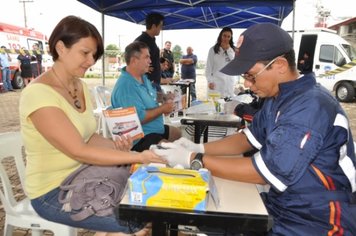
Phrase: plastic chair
pixel 20 213
pixel 102 97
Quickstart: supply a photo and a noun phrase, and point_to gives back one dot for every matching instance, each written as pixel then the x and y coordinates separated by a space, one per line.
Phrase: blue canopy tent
pixel 196 14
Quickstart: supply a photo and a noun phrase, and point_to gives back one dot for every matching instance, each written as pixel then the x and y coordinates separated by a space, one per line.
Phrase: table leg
pixel 197 133
pixel 159 228
pixel 206 133
pixel 188 91
pixel 173 230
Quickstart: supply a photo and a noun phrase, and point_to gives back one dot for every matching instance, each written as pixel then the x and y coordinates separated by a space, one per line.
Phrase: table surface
pixel 241 208
pixel 223 119
pixel 212 117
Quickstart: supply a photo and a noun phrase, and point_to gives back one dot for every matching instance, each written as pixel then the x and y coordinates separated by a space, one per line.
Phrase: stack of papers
pixel 203 108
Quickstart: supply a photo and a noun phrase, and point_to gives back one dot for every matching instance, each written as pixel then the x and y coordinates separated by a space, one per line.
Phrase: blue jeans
pixel 48 207
pixel 6 78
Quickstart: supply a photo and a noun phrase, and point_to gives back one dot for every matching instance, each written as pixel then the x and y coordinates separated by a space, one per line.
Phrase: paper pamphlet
pixel 175 93
pixel 123 121
pixel 184 81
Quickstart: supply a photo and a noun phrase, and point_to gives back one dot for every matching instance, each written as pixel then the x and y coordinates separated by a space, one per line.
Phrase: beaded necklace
pixel 73 94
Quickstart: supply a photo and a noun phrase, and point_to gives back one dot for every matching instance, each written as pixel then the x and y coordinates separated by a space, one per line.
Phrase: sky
pixel 43 15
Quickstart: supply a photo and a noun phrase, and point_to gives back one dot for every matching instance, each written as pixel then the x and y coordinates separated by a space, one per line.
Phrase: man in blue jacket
pixel 305 148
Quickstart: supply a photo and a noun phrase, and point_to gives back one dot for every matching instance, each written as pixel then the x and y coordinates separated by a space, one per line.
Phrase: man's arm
pixel 186 61
pixel 236 144
pixel 230 167
pixel 152 114
pixel 234 168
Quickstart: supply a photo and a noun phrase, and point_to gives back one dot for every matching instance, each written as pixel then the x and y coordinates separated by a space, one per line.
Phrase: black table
pixel 241 209
pixel 201 123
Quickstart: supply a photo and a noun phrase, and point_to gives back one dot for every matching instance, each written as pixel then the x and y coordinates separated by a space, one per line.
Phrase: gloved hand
pixel 174 154
pixel 191 146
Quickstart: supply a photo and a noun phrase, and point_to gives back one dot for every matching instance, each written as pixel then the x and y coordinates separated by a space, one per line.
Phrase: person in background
pixel 37 53
pixel 134 89
pixel 167 53
pixel 154 25
pixel 58 128
pixel 24 60
pixel 188 70
pixel 34 66
pixel 305 64
pixel 308 162
pixel 165 74
pixel 5 60
pixel 220 55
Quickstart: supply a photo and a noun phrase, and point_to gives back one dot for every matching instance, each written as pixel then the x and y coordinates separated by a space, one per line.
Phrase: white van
pixel 333 60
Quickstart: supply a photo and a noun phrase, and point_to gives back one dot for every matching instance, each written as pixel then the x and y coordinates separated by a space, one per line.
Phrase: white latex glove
pixel 174 154
pixel 191 146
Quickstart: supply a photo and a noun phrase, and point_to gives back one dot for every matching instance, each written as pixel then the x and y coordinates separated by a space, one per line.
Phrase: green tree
pixel 177 53
pixel 112 50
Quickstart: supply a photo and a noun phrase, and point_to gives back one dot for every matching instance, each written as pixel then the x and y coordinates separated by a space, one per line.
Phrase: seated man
pixel 134 89
pixel 165 76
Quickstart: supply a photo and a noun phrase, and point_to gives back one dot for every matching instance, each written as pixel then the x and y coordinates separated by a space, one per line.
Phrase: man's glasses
pixel 252 78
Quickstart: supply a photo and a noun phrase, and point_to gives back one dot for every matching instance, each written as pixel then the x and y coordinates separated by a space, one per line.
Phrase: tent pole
pixel 103 58
pixel 293 21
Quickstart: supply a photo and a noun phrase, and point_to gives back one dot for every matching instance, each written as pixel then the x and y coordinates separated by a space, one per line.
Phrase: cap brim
pixel 237 67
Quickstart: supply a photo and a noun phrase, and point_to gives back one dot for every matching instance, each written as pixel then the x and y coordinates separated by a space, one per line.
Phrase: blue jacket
pixel 306 153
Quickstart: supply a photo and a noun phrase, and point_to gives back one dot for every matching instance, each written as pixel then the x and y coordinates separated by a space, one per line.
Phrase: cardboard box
pixel 171 188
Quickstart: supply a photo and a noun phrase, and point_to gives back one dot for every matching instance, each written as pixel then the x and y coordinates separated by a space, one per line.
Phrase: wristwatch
pixel 197 162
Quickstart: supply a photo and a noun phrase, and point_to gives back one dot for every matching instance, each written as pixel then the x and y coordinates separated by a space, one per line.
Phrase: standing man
pixel 154 24
pixel 167 53
pixel 5 69
pixel 188 67
pixel 305 148
pixel 134 89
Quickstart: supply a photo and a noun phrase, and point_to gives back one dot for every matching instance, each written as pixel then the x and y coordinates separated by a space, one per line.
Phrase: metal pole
pixel 293 22
pixel 103 60
pixel 24 10
pixel 24 13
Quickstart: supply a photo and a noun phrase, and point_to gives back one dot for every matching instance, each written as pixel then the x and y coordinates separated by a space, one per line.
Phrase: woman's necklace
pixel 73 95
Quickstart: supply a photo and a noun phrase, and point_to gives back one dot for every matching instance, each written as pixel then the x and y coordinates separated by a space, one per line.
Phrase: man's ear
pixel 282 65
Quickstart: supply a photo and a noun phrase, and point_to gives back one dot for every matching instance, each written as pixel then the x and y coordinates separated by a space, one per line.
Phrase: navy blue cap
pixel 259 42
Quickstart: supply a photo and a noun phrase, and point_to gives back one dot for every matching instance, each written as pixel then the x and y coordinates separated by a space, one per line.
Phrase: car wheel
pixel 345 92
pixel 17 81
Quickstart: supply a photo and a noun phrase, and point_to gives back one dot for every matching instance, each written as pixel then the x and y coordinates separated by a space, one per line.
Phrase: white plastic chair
pixel 20 213
pixel 102 97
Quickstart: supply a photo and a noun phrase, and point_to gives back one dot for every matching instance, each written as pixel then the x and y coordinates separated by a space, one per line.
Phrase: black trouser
pixel 149 139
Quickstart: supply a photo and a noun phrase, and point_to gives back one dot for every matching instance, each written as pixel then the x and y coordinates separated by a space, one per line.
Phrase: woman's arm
pixel 209 66
pixel 58 130
pixel 122 142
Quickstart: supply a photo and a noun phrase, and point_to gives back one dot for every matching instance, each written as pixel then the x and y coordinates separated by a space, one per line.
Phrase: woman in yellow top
pixel 58 127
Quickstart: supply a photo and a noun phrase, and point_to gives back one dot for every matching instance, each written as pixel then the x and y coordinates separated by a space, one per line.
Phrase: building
pixel 347 30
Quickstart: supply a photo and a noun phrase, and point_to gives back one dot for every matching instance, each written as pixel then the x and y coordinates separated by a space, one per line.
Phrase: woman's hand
pixel 123 143
pixel 149 156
